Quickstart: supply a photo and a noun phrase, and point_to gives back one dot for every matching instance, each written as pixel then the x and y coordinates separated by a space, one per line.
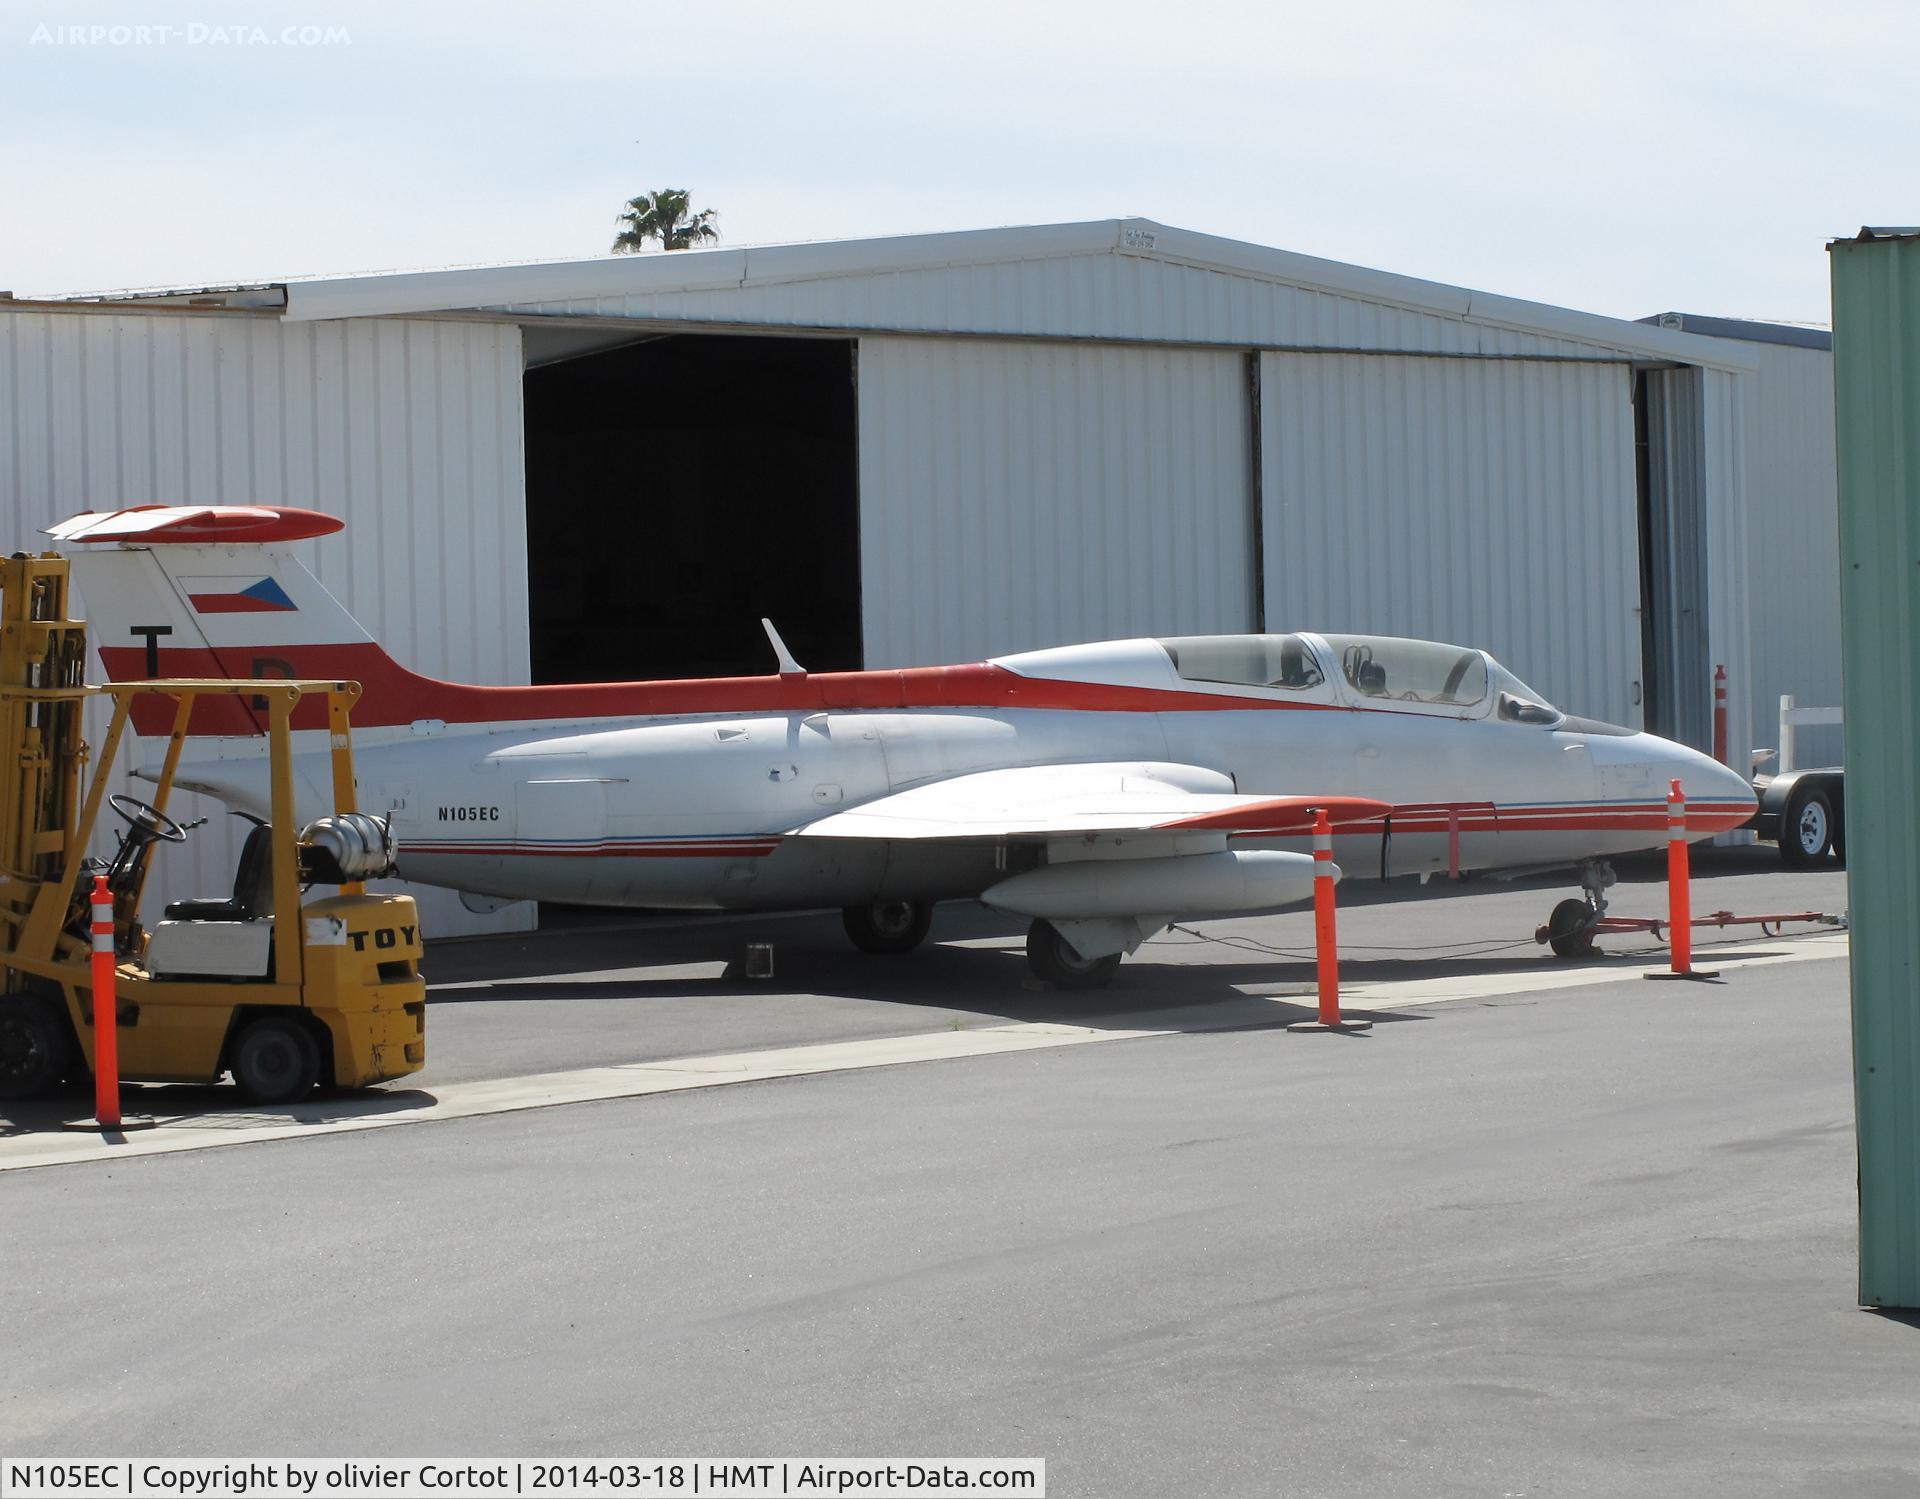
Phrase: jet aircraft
pixel 1099 791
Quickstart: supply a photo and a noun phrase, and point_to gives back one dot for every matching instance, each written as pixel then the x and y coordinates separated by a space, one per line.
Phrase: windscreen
pixel 1519 703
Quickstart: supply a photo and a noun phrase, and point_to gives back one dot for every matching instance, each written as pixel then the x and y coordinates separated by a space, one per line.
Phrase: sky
pixel 1623 158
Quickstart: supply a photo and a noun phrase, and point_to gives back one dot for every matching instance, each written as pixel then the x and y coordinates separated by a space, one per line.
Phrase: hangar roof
pixel 1130 280
pixel 1792 335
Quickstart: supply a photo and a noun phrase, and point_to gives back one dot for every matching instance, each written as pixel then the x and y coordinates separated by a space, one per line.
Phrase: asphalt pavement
pixel 1525 1240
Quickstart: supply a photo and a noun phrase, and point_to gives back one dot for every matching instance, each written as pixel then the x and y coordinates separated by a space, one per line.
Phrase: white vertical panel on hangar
pixel 407 429
pixel 1013 493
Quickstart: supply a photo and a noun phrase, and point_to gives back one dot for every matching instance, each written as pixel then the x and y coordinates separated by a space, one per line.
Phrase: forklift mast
pixel 43 696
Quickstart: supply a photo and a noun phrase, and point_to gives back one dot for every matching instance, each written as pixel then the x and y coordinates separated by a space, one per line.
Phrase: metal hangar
pixel 933 448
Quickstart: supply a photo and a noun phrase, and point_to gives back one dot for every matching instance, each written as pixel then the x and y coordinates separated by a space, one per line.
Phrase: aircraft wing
pixel 1042 802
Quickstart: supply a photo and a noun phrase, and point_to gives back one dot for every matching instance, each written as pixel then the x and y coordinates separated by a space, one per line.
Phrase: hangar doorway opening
pixel 1671 480
pixel 679 488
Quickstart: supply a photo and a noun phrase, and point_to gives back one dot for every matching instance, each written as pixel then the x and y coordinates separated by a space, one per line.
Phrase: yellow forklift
pixel 284 991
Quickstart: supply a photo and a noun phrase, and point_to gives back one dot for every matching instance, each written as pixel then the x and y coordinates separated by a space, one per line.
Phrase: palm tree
pixel 663 216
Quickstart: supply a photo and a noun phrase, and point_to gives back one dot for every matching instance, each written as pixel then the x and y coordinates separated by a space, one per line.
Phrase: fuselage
pixel 700 808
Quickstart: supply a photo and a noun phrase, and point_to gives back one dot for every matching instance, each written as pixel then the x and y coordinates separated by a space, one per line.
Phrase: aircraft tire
pixel 888 927
pixel 35 1048
pixel 1570 930
pixel 275 1060
pixel 1052 958
pixel 1809 821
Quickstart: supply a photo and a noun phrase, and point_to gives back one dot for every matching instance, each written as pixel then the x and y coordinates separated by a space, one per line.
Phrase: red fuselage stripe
pixel 393 695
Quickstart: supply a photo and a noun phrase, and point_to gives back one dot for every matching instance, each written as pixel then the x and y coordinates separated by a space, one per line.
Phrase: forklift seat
pixel 252 885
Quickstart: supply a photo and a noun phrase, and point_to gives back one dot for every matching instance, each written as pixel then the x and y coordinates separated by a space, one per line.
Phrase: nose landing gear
pixel 1571 927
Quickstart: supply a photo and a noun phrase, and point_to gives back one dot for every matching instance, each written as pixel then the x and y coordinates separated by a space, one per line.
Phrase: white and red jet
pixel 1100 790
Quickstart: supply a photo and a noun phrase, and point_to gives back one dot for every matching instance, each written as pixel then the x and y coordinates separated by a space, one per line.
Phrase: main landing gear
pixel 888 926
pixel 1571 926
pixel 1054 959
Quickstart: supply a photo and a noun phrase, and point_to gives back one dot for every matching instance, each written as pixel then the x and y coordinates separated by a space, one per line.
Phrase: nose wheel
pixel 1570 929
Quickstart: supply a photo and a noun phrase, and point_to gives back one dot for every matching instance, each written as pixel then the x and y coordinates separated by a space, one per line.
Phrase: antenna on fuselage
pixel 788 666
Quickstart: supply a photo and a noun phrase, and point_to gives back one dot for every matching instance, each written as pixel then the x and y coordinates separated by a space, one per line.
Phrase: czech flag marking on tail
pixel 237 596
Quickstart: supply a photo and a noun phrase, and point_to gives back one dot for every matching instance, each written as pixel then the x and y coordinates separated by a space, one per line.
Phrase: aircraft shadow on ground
pixel 643 961
pixel 1257 989
pixel 984 984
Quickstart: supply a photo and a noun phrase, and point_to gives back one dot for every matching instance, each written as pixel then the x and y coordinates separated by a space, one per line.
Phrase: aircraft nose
pixel 1712 789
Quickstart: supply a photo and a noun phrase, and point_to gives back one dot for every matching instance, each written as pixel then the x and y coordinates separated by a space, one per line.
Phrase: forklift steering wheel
pixel 149 820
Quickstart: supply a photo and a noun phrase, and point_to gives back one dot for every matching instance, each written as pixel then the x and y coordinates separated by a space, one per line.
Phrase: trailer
pixel 1803 809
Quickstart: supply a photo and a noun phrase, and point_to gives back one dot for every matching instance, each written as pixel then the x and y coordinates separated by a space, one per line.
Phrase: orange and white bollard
pixel 1326 946
pixel 106 1025
pixel 1679 895
pixel 106 1012
pixel 1679 872
pixel 1720 714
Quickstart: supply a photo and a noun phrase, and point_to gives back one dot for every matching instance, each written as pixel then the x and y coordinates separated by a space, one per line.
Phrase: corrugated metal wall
pixel 1793 563
pixel 408 430
pixel 1015 495
pixel 1486 502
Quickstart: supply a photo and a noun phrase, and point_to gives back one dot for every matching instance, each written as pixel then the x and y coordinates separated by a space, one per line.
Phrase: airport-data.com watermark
pixel 187 34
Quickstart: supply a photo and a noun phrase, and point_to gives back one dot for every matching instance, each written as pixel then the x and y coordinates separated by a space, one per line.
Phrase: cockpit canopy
pixel 1392 668
pixel 1246 660
pixel 1411 671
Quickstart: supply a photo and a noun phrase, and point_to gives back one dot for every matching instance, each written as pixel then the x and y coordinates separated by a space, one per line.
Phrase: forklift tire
pixel 36 1051
pixel 275 1060
pixel 1570 930
pixel 888 926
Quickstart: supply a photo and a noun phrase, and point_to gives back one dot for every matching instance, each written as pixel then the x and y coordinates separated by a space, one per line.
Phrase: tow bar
pixel 1769 924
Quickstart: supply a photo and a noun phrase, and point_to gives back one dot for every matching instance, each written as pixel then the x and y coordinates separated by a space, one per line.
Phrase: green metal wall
pixel 1876 345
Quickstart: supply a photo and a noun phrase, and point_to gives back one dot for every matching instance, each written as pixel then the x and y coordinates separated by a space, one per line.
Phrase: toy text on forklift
pixel 283 990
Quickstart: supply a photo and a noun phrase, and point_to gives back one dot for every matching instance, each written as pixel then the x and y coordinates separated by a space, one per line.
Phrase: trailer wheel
pixel 275 1060
pixel 1807 832
pixel 1052 958
pixel 34 1047
pixel 888 926
pixel 1570 930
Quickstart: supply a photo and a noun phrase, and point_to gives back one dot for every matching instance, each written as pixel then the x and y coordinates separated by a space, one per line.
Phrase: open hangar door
pixel 679 488
pixel 1024 494
pixel 1693 545
pixel 1488 502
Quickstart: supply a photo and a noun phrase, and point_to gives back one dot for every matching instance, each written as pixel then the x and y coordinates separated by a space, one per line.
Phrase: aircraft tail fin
pixel 217 591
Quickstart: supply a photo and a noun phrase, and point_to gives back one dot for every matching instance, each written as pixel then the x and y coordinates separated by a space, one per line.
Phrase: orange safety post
pixel 1679 896
pixel 1326 945
pixel 1720 714
pixel 106 1014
